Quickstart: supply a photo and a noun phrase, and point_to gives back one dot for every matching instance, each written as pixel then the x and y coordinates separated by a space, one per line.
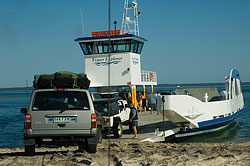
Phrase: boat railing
pixel 148 76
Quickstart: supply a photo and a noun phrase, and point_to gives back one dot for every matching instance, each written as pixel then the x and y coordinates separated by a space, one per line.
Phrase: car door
pixel 124 112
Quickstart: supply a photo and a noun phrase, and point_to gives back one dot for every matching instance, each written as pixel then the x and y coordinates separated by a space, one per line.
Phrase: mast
pixel 130 22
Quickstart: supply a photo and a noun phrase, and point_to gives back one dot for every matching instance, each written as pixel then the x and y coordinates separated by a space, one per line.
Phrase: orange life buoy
pixel 150 75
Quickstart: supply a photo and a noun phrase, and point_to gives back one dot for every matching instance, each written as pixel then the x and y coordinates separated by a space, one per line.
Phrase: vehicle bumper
pixel 44 132
pixel 59 140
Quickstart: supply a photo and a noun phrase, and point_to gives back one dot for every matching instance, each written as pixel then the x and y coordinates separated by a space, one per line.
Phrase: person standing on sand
pixel 133 119
pixel 139 101
pixel 158 102
pixel 152 101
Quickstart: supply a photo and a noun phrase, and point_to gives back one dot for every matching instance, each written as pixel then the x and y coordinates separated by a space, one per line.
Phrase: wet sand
pixel 130 152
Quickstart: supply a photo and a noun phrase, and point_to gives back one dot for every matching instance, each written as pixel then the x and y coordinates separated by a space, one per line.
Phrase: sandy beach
pixel 133 154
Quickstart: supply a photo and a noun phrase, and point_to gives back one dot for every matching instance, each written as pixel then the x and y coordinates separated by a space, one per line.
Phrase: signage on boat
pixel 107 60
pixel 135 60
pixel 108 33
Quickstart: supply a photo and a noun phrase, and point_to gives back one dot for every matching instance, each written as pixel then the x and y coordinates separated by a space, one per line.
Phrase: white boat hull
pixel 196 116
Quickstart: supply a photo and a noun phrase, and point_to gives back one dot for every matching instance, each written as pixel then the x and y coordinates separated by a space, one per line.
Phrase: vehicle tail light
pixel 60 89
pixel 93 120
pixel 28 121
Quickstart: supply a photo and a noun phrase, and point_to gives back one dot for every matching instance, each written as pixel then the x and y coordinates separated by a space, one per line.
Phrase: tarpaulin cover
pixel 62 79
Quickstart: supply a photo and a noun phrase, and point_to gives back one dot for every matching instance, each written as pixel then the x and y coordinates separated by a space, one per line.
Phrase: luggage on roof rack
pixel 43 81
pixel 62 79
pixel 82 81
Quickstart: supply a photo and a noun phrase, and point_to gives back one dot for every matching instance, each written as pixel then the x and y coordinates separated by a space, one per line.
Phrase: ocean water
pixel 12 121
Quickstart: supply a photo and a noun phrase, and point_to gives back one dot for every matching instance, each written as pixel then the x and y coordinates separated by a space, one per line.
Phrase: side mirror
pixel 23 110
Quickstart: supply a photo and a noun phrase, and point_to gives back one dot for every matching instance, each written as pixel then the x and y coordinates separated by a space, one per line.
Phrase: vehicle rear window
pixel 102 108
pixel 115 96
pixel 60 100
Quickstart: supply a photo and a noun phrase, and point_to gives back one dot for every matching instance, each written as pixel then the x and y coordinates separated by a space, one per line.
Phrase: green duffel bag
pixel 64 79
pixel 82 81
pixel 36 80
pixel 43 81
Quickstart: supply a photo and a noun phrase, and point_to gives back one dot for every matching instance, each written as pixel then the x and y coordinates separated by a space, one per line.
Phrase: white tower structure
pixel 119 51
pixel 130 18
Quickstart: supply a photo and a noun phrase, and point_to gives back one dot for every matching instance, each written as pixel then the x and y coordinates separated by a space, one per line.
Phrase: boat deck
pixel 199 93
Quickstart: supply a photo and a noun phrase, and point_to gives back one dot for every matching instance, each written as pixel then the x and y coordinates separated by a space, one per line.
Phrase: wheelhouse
pixel 116 44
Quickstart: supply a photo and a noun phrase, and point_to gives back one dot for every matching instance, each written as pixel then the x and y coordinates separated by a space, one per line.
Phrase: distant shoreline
pixel 197 84
pixel 159 85
pixel 17 88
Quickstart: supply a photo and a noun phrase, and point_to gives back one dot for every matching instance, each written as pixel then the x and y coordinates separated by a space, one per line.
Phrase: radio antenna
pixel 82 20
pixel 130 22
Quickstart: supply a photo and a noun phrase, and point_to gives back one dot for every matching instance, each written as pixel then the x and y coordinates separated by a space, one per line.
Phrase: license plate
pixel 47 139
pixel 59 119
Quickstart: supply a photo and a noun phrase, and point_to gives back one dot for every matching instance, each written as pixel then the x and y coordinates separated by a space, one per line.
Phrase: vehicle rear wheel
pixel 118 129
pixel 29 150
pixel 91 148
pixel 81 146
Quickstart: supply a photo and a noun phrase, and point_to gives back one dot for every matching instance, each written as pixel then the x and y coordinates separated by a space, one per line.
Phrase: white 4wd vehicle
pixel 60 117
pixel 119 114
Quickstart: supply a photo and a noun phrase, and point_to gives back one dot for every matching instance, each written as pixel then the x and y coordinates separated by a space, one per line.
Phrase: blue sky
pixel 189 41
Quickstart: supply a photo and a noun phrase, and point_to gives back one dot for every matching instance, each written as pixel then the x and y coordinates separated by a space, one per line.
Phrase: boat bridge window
pixel 87 48
pixel 237 87
pixel 116 46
